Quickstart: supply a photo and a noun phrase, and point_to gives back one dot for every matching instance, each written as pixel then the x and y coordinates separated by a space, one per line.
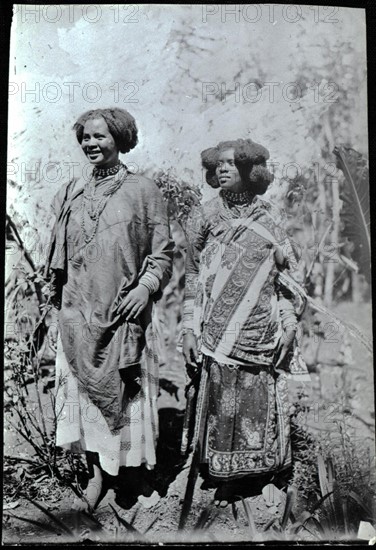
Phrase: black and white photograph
pixel 188 352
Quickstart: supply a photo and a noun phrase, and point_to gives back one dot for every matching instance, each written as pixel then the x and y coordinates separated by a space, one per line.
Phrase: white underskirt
pixel 82 427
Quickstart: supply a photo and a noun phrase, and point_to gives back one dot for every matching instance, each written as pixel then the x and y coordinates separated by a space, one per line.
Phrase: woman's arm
pixel 286 309
pixel 57 246
pixel 289 323
pixel 156 269
pixel 54 284
pixel 54 277
pixel 157 266
pixel 286 261
pixel 195 234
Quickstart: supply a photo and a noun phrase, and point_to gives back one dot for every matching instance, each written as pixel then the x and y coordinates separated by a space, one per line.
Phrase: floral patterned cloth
pixel 239 285
pixel 243 420
pixel 238 281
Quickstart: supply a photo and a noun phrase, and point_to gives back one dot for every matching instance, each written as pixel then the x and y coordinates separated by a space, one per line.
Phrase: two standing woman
pixel 109 260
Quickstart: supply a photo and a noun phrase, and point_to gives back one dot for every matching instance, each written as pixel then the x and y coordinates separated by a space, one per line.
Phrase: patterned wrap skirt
pixel 242 424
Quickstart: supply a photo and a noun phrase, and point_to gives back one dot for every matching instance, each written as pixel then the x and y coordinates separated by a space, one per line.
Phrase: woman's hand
pixel 135 301
pixel 52 336
pixel 190 348
pixel 285 345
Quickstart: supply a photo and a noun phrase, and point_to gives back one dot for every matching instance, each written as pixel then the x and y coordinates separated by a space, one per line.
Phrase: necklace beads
pixel 103 172
pixel 94 212
pixel 237 205
pixel 237 198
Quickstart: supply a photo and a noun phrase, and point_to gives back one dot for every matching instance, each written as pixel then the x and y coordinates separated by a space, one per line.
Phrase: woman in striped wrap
pixel 240 319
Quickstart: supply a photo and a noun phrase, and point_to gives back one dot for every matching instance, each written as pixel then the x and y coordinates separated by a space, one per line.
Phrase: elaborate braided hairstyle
pixel 121 124
pixel 250 160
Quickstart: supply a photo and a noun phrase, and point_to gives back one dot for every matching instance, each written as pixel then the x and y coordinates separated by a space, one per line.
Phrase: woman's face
pixel 227 173
pixel 98 144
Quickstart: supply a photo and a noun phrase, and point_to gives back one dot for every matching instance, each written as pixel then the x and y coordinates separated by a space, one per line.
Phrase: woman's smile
pixel 98 144
pixel 93 154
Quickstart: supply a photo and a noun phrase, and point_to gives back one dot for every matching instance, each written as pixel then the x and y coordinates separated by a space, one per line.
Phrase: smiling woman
pixel 110 258
pixel 98 144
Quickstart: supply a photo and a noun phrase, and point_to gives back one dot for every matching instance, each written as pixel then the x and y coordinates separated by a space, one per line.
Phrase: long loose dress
pixel 106 367
pixel 237 286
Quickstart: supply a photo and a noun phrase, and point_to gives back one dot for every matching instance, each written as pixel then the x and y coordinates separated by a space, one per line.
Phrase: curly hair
pixel 121 124
pixel 250 159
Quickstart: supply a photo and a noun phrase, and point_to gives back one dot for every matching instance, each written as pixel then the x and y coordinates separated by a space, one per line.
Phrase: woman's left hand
pixel 285 345
pixel 134 302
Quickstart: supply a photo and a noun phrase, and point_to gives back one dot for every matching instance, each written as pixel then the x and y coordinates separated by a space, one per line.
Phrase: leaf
pixel 269 524
pixel 35 522
pixel 354 331
pixel 93 519
pixel 356 498
pixel 299 524
pixel 322 240
pixel 331 475
pixel 345 517
pixel 125 523
pixel 250 520
pixel 51 516
pixel 355 208
pixel 290 498
pixel 318 504
pixel 206 518
pixel 151 525
pixel 318 526
pixel 327 483
pixel 323 479
pixel 347 262
pixel 11 505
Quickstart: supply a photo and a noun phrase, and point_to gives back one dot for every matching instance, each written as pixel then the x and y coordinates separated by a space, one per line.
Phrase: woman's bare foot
pixel 223 495
pixel 149 501
pixel 92 495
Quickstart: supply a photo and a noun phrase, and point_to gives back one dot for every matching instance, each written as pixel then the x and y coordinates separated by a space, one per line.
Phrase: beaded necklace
pixel 104 172
pixel 237 205
pixel 89 199
pixel 237 198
